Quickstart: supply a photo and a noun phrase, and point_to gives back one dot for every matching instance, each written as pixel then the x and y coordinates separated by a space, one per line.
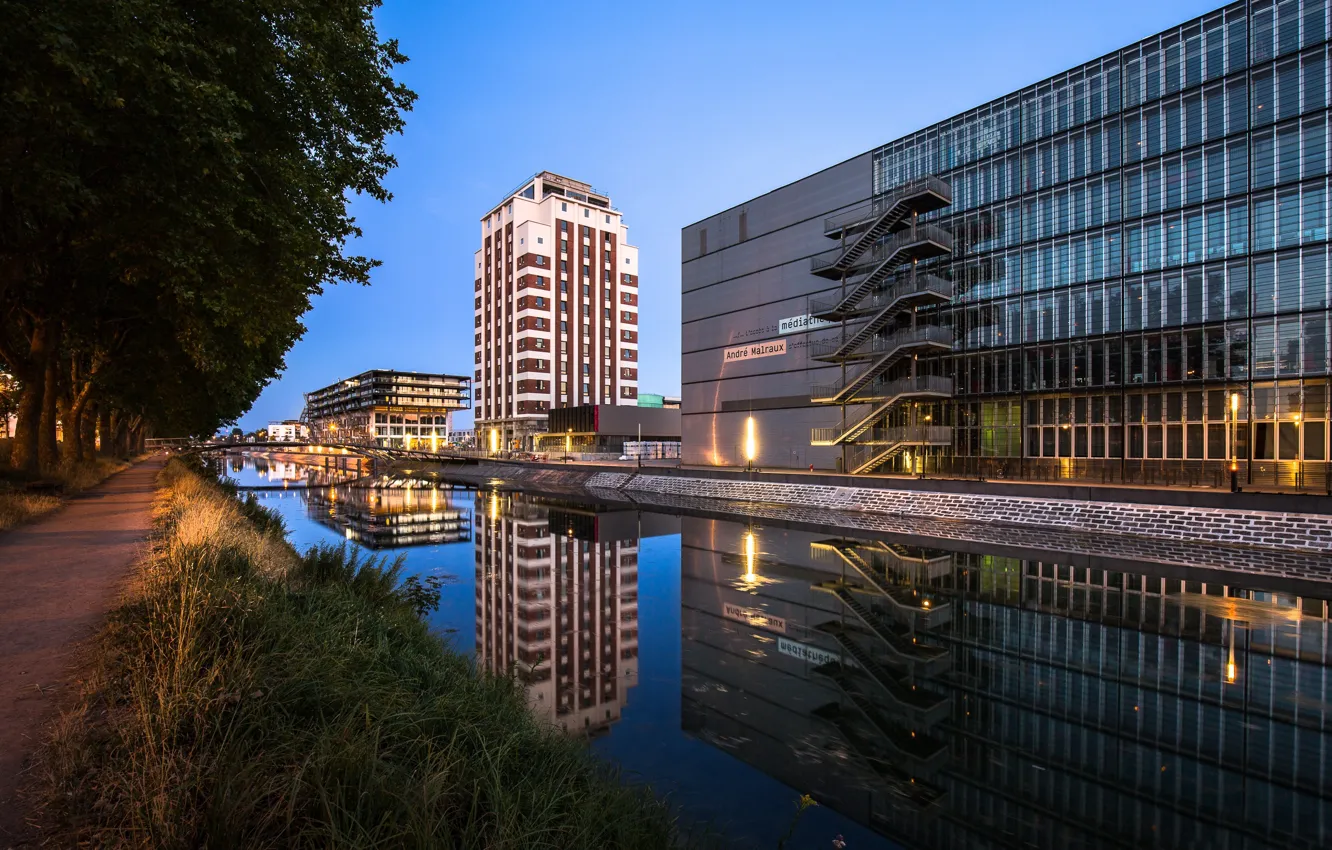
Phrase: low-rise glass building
pixel 1119 273
pixel 387 408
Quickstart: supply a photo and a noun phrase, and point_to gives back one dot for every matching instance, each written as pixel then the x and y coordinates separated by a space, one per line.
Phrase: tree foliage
pixel 174 186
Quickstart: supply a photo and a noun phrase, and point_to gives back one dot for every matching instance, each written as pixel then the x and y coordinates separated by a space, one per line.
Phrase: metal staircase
pixel 883 353
pixel 913 290
pixel 883 396
pixel 882 444
pixel 883 216
pixel 876 242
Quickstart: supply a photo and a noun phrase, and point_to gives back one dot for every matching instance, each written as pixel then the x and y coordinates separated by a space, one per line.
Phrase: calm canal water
pixel 924 697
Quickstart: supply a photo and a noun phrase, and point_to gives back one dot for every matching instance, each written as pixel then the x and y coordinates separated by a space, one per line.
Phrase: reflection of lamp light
pixel 925 604
pixel 750 576
pixel 1231 673
pixel 494 502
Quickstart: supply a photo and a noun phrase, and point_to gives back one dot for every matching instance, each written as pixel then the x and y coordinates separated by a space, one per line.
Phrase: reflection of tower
pixel 557 605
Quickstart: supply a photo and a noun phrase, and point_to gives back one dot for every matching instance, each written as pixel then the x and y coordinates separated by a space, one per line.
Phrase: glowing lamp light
pixel 1234 403
pixel 1230 671
pixel 751 443
pixel 494 440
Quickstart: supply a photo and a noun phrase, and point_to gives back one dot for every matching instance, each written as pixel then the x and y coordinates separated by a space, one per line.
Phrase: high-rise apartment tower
pixel 556 309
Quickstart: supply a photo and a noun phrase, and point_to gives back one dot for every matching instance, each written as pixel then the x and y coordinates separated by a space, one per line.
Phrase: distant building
pixel 387 408
pixel 609 428
pixel 556 308
pixel 287 431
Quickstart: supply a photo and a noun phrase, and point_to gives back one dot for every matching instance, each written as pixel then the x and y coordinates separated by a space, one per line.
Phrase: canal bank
pixel 1280 535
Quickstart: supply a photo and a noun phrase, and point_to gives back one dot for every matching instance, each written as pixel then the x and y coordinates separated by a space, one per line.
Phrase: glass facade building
pixel 1139 252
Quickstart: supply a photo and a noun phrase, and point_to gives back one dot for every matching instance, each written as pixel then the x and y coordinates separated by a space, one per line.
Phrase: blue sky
pixel 677 109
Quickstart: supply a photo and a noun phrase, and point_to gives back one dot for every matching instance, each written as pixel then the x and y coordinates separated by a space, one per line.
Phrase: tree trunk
pixel 48 448
pixel 72 429
pixel 25 453
pixel 104 430
pixel 88 433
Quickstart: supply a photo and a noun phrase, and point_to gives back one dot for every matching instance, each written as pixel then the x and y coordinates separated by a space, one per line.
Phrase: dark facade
pixel 607 427
pixel 1119 272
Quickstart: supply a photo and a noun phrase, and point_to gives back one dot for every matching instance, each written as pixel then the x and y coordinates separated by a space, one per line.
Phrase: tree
pixel 174 182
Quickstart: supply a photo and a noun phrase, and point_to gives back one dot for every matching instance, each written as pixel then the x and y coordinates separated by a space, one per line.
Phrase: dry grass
pixel 252 697
pixel 19 504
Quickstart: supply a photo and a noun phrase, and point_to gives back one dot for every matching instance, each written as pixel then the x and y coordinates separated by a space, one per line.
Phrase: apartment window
pixel 563 208
pixel 541 240
pixel 587 213
pixel 510 209
pixel 564 227
pixel 608 219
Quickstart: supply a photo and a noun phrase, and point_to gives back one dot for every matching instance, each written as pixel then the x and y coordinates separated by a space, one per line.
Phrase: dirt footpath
pixel 58 578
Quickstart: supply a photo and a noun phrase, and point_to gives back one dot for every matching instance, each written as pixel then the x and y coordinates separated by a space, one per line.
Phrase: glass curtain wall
pixel 1141 259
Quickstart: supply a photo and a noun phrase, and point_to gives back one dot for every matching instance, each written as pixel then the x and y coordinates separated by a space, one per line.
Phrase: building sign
pixel 753 618
pixel 796 324
pixel 754 350
pixel 804 652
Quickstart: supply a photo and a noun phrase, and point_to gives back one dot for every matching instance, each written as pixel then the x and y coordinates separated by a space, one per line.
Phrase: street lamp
pixel 494 441
pixel 568 445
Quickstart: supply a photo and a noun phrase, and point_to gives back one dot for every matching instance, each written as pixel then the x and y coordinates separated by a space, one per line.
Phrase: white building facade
pixel 287 431
pixel 556 309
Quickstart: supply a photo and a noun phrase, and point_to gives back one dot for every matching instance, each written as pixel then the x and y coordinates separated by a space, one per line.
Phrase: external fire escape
pixel 882 287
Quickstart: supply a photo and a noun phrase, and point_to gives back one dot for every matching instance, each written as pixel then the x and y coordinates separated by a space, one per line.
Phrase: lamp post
pixel 494 441
pixel 568 445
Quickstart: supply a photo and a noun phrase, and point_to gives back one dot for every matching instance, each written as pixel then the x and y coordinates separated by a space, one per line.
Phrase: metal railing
pixel 886 253
pixel 925 334
pixel 930 385
pixel 915 435
pixel 903 288
pixel 871 211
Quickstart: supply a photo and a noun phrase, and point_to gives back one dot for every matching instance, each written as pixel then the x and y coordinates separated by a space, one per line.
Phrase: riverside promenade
pixel 60 575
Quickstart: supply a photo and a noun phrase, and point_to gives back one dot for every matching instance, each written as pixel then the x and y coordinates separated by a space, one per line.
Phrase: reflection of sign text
pixel 804 652
pixel 753 618
pixel 754 350
pixel 796 324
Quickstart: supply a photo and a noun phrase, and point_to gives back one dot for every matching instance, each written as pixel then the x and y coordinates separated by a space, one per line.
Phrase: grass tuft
pixel 19 503
pixel 248 696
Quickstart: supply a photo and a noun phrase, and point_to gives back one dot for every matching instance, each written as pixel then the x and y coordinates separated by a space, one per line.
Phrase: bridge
pixel 185 445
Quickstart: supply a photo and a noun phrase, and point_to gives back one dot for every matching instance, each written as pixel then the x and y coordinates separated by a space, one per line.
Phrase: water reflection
pixel 926 697
pixel 949 700
pixel 557 604
pixel 392 513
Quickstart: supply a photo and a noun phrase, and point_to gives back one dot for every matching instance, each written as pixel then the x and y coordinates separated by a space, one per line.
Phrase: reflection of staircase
pixel 919 751
pixel 904 649
pixel 865 751
pixel 922 706
pixel 908 604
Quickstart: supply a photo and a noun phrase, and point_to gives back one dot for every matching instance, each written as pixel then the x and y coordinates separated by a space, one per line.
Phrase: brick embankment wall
pixel 1291 532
